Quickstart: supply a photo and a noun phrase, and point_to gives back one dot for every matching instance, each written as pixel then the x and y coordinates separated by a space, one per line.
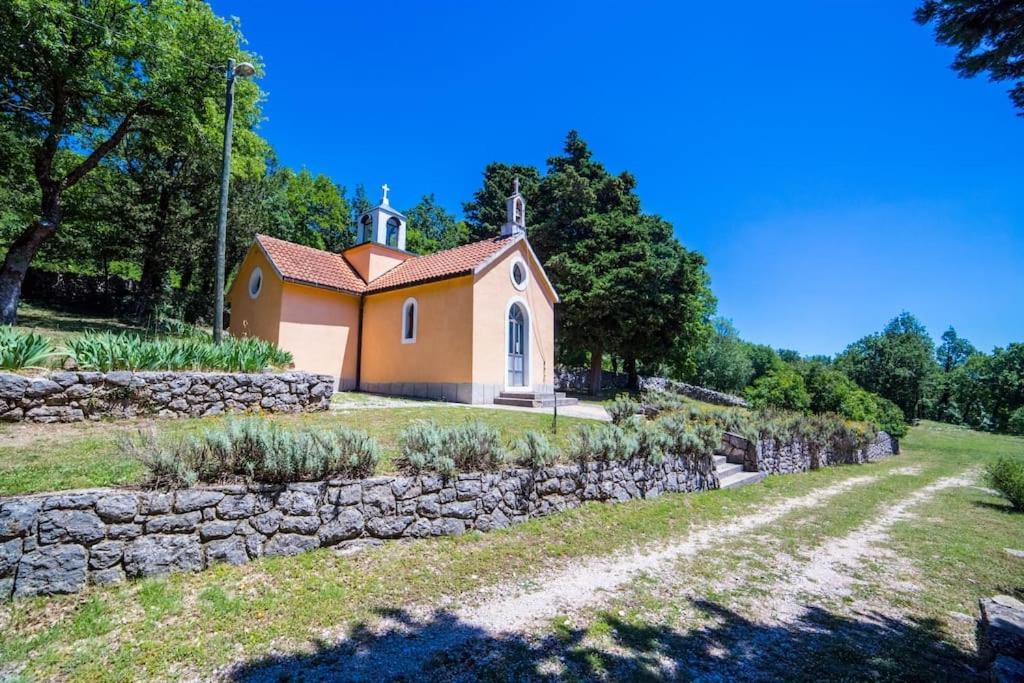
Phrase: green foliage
pixel 896 364
pixel 724 364
pixel 20 349
pixel 689 438
pixel 105 351
pixel 255 449
pixel 534 450
pixel 986 35
pixel 1006 475
pixel 623 408
pixel 602 443
pixel 430 228
pixel 1015 425
pixel 486 212
pixel 317 212
pixel 781 387
pixel 470 446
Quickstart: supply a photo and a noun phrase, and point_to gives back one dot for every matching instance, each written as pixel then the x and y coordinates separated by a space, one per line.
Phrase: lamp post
pixel 245 69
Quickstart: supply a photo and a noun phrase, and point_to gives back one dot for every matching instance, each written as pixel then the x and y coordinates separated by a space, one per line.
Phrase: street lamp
pixel 245 70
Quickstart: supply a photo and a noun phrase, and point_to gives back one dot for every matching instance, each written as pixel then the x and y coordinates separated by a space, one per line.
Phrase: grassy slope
pixel 189 625
pixel 52 457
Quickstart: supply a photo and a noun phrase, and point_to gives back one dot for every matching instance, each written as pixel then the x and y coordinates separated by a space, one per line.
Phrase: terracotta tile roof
pixel 322 268
pixel 311 266
pixel 447 263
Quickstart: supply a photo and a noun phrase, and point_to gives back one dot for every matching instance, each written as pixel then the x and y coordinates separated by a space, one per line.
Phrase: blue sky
pixel 822 155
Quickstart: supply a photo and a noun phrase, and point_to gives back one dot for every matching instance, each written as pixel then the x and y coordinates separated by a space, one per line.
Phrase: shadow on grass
pixel 1003 506
pixel 819 646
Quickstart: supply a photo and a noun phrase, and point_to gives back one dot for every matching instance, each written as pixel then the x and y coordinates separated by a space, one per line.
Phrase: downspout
pixel 359 346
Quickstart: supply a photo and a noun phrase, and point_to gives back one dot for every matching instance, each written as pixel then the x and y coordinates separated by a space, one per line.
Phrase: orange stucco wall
pixel 371 260
pixel 320 328
pixel 442 352
pixel 492 293
pixel 259 317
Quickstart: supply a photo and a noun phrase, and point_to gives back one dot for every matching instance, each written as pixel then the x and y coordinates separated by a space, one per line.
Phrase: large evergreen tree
pixel 988 36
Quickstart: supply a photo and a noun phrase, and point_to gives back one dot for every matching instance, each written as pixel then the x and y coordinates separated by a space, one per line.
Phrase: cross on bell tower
pixel 382 224
pixel 515 213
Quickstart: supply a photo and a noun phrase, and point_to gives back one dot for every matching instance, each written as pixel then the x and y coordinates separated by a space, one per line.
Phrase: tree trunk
pixel 154 262
pixel 23 250
pixel 596 361
pixel 633 381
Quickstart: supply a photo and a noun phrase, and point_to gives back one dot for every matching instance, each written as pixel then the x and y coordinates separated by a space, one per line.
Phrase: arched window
pixel 519 212
pixel 392 236
pixel 367 223
pixel 410 314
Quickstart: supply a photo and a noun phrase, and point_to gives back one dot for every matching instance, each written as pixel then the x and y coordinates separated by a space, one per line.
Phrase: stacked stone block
pixel 78 396
pixel 60 542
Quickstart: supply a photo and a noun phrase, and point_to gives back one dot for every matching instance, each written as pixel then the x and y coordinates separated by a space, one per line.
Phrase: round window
pixel 519 274
pixel 255 282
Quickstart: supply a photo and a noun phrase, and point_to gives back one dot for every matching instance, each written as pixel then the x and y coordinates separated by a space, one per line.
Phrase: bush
pixel 105 351
pixel 603 443
pixel 1006 475
pixel 471 446
pixel 1015 425
pixel 256 449
pixel 691 440
pixel 20 349
pixel 781 387
pixel 623 408
pixel 534 450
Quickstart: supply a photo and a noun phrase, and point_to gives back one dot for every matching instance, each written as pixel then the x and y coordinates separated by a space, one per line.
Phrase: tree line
pixel 896 374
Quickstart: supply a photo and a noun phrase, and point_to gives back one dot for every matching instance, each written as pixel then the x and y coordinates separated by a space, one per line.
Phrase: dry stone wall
pixel 578 380
pixel 774 457
pixel 60 542
pixel 77 396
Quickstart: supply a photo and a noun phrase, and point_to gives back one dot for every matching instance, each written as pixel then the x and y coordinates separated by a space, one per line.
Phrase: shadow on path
pixel 819 646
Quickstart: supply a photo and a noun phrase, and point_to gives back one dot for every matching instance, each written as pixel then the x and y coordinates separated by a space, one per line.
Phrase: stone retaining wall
pixel 77 396
pixel 772 457
pixel 578 380
pixel 59 542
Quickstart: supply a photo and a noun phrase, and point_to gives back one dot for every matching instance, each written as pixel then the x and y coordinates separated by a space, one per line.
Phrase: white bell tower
pixel 382 224
pixel 515 213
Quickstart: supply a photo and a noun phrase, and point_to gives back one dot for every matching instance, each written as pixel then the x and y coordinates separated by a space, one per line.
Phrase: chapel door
pixel 516 347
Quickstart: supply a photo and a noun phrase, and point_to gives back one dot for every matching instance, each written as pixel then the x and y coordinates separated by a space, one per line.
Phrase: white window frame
pixel 517 259
pixel 527 343
pixel 257 272
pixel 411 301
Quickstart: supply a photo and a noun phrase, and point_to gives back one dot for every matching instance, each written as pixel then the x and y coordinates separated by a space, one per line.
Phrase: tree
pixel 486 212
pixel 781 387
pixel 318 212
pixel 430 228
pixel 723 364
pixel 79 78
pixel 582 221
pixel 987 36
pixel 1006 385
pixel 896 364
pixel 953 351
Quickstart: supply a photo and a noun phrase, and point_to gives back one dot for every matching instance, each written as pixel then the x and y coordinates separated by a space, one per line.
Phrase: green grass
pixel 81 455
pixel 189 626
pixel 60 325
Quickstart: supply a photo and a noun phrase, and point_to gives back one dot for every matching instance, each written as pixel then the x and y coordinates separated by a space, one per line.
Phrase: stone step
pixel 538 402
pixel 740 479
pixel 718 460
pixel 726 470
pixel 531 394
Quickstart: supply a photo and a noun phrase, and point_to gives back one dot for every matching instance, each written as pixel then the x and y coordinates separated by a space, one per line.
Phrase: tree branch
pixel 103 148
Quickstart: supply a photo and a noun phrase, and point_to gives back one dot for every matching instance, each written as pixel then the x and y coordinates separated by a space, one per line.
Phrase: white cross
pixel 516 191
pixel 386 189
